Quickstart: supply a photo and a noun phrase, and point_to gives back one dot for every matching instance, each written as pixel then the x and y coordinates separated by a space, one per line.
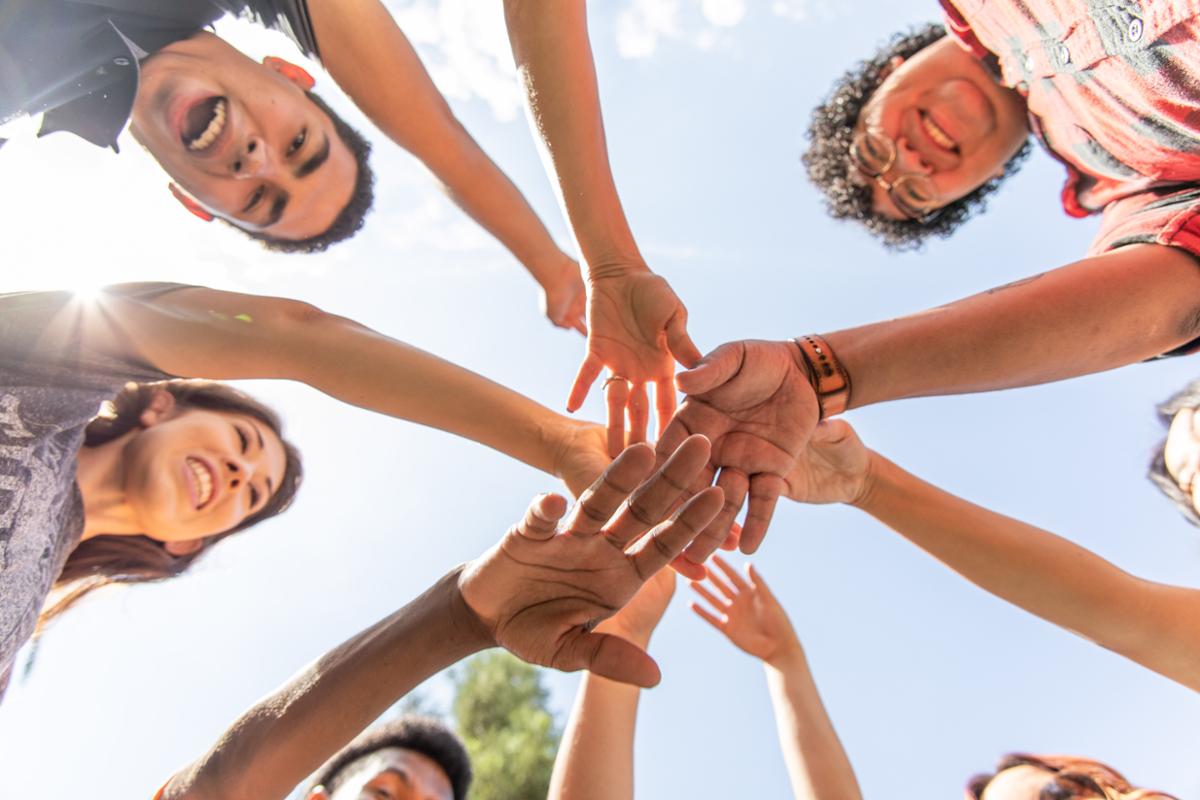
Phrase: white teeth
pixel 215 126
pixel 204 481
pixel 939 136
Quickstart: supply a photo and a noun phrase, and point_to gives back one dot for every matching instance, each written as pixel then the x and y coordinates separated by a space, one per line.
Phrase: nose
pixel 238 472
pixel 909 161
pixel 252 160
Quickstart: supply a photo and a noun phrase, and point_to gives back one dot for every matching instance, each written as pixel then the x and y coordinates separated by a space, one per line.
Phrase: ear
pixel 184 548
pixel 293 72
pixel 318 793
pixel 161 406
pixel 190 203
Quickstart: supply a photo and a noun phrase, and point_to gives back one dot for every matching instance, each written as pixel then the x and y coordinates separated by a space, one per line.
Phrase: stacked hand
pixel 746 611
pixel 564 299
pixel 637 329
pixel 834 467
pixel 553 577
pixel 753 400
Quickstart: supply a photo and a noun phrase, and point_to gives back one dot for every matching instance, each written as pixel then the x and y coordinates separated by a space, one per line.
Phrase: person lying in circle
pixel 170 466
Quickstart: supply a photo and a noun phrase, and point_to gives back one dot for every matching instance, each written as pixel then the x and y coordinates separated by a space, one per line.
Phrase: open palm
pixel 745 610
pixel 832 468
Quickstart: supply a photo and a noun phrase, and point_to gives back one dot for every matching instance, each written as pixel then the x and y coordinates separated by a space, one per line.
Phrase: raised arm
pixel 745 610
pixel 759 401
pixel 375 64
pixel 540 592
pixel 1156 625
pixel 595 758
pixel 202 333
pixel 637 327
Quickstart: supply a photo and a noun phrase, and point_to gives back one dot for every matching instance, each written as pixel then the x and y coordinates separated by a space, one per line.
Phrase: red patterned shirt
pixel 1113 91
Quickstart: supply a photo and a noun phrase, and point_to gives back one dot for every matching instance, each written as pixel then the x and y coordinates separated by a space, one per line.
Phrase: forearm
pixel 554 60
pixel 595 757
pixel 286 736
pixel 1044 574
pixel 1094 315
pixel 817 765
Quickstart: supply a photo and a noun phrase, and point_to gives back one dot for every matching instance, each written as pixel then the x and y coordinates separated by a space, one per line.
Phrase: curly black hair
pixel 830 134
pixel 1187 397
pixel 423 735
pixel 350 219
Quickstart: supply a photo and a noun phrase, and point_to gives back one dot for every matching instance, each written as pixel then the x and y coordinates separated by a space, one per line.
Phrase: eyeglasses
pixel 1068 782
pixel 873 153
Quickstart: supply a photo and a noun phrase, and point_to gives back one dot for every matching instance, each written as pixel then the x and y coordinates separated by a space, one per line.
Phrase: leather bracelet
pixel 830 381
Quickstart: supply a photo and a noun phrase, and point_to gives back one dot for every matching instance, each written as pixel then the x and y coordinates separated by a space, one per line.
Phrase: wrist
pixel 463 618
pixel 827 376
pixel 551 268
pixel 787 657
pixel 870 489
pixel 612 267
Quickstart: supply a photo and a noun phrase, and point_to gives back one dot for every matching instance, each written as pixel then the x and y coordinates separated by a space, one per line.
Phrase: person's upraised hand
pixel 544 587
pixel 637 329
pixel 753 400
pixel 641 615
pixel 564 298
pixel 746 611
pixel 833 467
pixel 581 455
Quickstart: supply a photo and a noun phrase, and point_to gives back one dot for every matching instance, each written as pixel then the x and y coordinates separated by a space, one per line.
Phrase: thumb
pixel 713 370
pixel 679 342
pixel 609 657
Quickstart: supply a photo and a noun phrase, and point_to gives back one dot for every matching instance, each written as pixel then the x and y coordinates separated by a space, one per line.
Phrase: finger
pixel 735 484
pixel 689 569
pixel 757 581
pixel 679 343
pixel 764 495
pixel 652 501
pixel 722 587
pixel 580 324
pixel 542 516
pixel 727 569
pixel 666 541
pixel 589 370
pixel 735 535
pixel 639 413
pixel 664 402
pixel 717 603
pixel 713 370
pixel 708 616
pixel 609 657
pixel 616 395
pixel 601 500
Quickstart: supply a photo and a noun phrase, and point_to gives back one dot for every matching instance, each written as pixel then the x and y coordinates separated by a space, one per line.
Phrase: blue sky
pixel 928 679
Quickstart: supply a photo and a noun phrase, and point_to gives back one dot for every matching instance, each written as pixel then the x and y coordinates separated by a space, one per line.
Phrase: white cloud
pixel 724 13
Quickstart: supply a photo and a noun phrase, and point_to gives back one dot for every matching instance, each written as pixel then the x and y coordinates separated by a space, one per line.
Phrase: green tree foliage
pixel 500 712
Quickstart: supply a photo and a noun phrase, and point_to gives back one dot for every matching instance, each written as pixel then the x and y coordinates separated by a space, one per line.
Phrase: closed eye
pixel 254 495
pixel 242 438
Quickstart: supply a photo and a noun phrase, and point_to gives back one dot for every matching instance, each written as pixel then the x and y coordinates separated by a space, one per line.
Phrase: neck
pixel 100 473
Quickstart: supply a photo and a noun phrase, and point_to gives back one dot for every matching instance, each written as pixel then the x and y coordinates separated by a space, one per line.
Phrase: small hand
pixel 638 619
pixel 564 298
pixel 754 401
pixel 581 455
pixel 543 588
pixel 833 467
pixel 637 329
pixel 746 611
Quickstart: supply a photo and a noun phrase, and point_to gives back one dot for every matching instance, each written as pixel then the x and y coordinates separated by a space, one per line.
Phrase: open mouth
pixel 937 135
pixel 204 480
pixel 203 123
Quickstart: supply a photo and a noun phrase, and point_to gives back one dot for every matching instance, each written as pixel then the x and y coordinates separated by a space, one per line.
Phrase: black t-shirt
pixel 51 386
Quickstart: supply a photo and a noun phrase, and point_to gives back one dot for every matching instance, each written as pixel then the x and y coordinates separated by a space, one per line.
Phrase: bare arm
pixel 197 332
pixel 1093 315
pixel 1156 625
pixel 637 327
pixel 375 64
pixel 746 611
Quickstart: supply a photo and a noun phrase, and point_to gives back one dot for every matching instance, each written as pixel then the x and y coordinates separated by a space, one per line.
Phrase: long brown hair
pixel 104 560
pixel 1073 773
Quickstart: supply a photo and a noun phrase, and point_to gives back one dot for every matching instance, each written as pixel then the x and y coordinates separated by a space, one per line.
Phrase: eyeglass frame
pixel 858 165
pixel 978 784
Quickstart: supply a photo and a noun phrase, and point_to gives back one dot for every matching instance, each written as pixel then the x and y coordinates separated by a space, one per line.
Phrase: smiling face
pixel 949 120
pixel 395 773
pixel 194 473
pixel 242 138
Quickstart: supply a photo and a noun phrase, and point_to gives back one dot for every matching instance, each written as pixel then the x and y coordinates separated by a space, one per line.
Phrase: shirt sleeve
pixel 42 340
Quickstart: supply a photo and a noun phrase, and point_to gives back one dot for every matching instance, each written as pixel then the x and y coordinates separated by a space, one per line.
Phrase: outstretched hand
pixel 745 610
pixel 833 467
pixel 753 400
pixel 554 576
pixel 637 329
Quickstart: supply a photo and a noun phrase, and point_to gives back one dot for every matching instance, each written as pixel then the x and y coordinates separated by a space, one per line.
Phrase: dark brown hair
pixel 1074 777
pixel 104 560
pixel 1187 397
pixel 828 156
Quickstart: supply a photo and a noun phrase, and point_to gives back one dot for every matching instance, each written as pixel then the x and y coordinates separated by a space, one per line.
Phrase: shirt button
pixel 1136 28
pixel 121 61
pixel 1064 54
